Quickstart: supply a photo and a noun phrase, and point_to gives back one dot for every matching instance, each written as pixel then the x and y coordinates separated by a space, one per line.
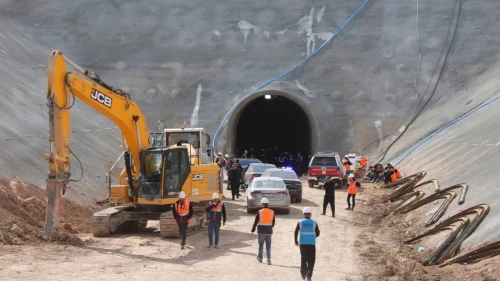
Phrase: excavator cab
pixel 164 172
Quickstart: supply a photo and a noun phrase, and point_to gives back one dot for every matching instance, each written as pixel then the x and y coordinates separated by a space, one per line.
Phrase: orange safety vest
pixel 216 213
pixel 347 167
pixel 396 175
pixel 353 189
pixel 183 210
pixel 363 162
pixel 265 225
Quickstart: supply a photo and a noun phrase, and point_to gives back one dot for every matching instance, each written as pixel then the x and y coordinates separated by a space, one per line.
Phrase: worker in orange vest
pixel 264 222
pixel 347 165
pixel 182 211
pixel 395 174
pixel 219 160
pixel 216 213
pixel 363 161
pixel 352 190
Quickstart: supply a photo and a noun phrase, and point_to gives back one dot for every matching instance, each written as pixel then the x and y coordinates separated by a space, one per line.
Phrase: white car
pixel 254 170
pixel 273 189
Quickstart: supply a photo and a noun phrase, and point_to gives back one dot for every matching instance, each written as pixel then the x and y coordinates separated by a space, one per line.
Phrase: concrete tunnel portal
pixel 271 124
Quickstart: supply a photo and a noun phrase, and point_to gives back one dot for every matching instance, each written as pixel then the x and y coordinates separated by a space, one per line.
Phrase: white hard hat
pixel 227 155
pixel 307 210
pixel 215 196
pixel 220 153
pixel 351 175
pixel 264 201
pixel 182 194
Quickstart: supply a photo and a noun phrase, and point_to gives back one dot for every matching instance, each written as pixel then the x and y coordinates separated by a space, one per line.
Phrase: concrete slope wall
pixel 467 152
pixel 359 89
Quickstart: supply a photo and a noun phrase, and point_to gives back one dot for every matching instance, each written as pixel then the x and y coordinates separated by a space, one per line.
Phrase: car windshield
pixel 261 168
pixel 287 175
pixel 324 161
pixel 245 162
pixel 268 184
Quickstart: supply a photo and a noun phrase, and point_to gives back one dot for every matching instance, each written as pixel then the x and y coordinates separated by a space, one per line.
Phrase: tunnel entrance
pixel 274 129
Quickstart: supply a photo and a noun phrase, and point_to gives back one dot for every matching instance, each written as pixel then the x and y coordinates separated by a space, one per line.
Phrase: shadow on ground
pixel 196 248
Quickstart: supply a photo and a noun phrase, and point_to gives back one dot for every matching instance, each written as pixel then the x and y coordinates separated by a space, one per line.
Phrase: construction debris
pixel 22 215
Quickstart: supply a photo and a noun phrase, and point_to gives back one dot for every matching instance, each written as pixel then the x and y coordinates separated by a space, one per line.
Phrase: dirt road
pixel 146 256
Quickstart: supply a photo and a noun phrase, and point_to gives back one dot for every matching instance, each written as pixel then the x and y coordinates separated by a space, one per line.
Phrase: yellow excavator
pixel 154 174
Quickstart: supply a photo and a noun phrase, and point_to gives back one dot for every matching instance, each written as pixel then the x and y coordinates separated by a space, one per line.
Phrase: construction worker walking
pixel 264 222
pixel 182 211
pixel 309 231
pixel 352 190
pixel 216 212
pixel 329 195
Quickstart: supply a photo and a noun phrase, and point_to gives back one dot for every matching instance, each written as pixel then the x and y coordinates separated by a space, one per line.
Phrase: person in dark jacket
pixel 388 174
pixel 234 178
pixel 309 231
pixel 264 222
pixel 182 211
pixel 329 195
pixel 229 165
pixel 216 212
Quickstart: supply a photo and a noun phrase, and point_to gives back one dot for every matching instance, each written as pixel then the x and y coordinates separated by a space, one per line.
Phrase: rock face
pixel 193 60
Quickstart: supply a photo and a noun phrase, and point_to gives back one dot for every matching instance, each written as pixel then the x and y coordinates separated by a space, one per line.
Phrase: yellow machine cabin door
pixel 176 175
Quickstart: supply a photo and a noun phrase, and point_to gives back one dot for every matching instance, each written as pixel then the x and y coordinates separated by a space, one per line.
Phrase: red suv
pixel 325 164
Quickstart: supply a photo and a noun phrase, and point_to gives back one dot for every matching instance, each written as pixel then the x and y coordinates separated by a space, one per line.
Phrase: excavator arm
pixel 64 87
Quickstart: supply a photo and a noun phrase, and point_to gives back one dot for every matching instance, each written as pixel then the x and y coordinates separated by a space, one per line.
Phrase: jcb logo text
pixel 101 98
pixel 197 177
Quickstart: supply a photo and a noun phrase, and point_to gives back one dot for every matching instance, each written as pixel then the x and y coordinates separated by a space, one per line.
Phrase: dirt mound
pixel 22 215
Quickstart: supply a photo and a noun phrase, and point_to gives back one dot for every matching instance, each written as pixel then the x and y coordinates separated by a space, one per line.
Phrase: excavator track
pixel 106 222
pixel 169 228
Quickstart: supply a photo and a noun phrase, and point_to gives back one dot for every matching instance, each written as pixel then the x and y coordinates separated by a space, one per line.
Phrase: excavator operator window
pixel 150 182
pixel 176 171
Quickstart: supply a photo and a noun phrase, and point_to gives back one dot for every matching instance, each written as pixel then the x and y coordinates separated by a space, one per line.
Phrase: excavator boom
pixel 153 175
pixel 64 87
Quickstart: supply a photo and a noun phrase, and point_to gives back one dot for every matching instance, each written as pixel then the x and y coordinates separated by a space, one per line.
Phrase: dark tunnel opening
pixel 274 129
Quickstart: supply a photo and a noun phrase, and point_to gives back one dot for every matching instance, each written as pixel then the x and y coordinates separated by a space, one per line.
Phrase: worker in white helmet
pixel 219 160
pixel 264 222
pixel 182 211
pixel 309 230
pixel 216 213
pixel 352 190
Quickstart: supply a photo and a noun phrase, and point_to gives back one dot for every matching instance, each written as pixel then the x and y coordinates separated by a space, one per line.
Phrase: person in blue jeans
pixel 216 212
pixel 264 222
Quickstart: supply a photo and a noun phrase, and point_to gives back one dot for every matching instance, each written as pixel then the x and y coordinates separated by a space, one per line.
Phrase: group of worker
pixel 329 198
pixel 378 173
pixel 305 233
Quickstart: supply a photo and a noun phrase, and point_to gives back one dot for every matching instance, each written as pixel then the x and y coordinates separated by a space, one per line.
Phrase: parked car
pixel 245 162
pixel 289 177
pixel 254 170
pixel 325 164
pixel 273 189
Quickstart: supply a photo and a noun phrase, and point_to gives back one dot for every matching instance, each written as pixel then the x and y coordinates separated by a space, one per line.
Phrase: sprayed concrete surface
pixel 191 61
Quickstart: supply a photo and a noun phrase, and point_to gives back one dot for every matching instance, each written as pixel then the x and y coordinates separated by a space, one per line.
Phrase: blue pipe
pixel 288 71
pixel 486 103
